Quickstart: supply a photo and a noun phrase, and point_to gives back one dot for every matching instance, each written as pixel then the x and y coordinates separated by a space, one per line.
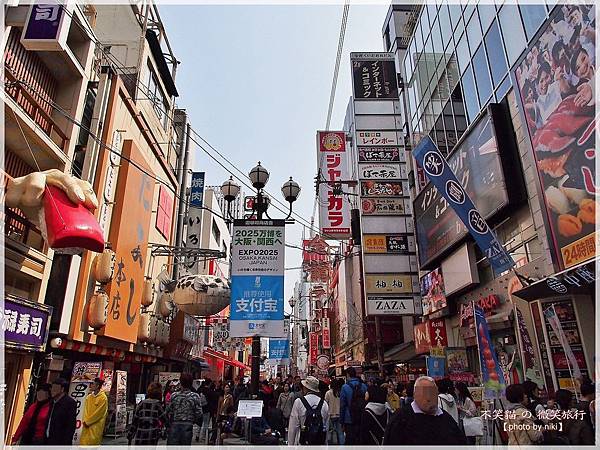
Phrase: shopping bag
pixel 473 426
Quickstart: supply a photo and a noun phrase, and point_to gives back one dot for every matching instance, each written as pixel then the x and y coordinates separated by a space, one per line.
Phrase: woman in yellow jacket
pixel 95 411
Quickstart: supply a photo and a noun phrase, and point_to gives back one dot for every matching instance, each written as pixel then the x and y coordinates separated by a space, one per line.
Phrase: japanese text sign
pixel 388 284
pixel 383 206
pixel 377 139
pixel 436 366
pixel 381 171
pixel 257 267
pixel 25 324
pixel 279 350
pixel 421 337
pixel 437 332
pixel 374 76
pixel 47 27
pixel 382 243
pixel 197 189
pixel 194 221
pixel 313 347
pixel 333 160
pixel 379 154
pixel 129 235
pixel 436 168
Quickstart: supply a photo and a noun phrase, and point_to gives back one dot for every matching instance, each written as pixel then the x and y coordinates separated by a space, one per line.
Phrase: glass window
pixel 455 14
pixel 482 75
pixel 503 88
pixel 418 38
pixel 470 94
pixel 407 68
pixel 452 72
pixel 469 8
pixel 512 31
pixel 424 19
pixel 533 16
pixel 474 32
pixel 437 37
pixel 413 54
pixel 486 15
pixel 462 53
pixel 429 46
pixel 495 51
pixel 459 29
pixel 445 26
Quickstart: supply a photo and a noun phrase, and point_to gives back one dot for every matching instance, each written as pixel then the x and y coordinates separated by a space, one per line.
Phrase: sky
pixel 255 81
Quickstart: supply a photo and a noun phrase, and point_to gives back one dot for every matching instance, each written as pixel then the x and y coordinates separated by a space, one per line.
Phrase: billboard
pixel 457 198
pixel 257 268
pixel 392 305
pixel 388 284
pixel 333 160
pixel 381 171
pixel 382 189
pixel 432 292
pixel 279 350
pixel 558 108
pixel 385 243
pixel 377 139
pixel 379 154
pixel 421 338
pixel 374 76
pixel 477 166
pixel 383 206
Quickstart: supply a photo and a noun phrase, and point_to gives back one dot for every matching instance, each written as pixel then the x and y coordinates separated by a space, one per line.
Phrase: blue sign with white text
pixel 197 189
pixel 257 303
pixel 279 349
pixel 439 172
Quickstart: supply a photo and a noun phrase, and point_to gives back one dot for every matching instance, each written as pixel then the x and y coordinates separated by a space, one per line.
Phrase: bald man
pixel 423 422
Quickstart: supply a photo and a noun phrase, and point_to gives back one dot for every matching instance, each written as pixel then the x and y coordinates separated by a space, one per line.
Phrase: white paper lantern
pixel 104 266
pixel 202 295
pixel 97 310
pixel 144 328
pixel 148 293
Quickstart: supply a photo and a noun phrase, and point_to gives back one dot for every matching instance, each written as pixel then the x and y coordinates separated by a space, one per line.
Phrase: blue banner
pixel 256 305
pixel 279 350
pixel 197 189
pixel 437 170
pixel 491 373
pixel 436 366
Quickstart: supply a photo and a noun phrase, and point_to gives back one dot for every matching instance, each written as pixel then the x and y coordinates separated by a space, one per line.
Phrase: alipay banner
pixel 257 271
pixel 279 350
pixel 436 167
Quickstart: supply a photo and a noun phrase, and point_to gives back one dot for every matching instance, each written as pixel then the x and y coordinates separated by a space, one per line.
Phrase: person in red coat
pixel 31 430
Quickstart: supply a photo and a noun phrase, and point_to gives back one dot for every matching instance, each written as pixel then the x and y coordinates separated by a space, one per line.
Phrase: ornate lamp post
pixel 259 176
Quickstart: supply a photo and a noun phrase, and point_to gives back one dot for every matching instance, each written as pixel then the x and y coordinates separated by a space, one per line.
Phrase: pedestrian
pixel 586 402
pixel 274 416
pixel 183 412
pixel 423 422
pixel 520 425
pixel 352 404
pixel 535 404
pixel 278 388
pixel 62 420
pixel 266 391
pixel 149 418
pixel 466 408
pixel 169 387
pixel 375 417
pixel 332 397
pixel 32 428
pixel 285 403
pixel 239 390
pixel 261 432
pixel 95 410
pixel 309 419
pixel 573 429
pixel 447 402
pixel 393 399
pixel 205 414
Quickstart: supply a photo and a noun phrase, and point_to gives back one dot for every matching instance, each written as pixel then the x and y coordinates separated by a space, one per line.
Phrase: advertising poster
pixel 333 167
pixel 421 337
pixel 432 292
pixel 379 154
pixel 456 359
pixel 383 206
pixel 436 168
pixel 558 95
pixel 257 281
pixel 381 189
pixel 381 171
pixel 382 243
pixel 436 366
pixel 82 376
pixel 491 373
pixel 567 360
pixel 374 76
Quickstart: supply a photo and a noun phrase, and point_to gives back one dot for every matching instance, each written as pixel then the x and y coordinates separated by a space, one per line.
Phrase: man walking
pixel 423 422
pixel 184 411
pixel 95 410
pixel 62 419
pixel 352 404
pixel 299 430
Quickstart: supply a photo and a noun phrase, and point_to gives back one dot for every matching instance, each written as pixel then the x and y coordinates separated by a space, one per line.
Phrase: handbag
pixel 473 426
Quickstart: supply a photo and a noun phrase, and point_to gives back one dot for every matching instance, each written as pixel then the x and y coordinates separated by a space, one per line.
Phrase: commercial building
pixel 471 81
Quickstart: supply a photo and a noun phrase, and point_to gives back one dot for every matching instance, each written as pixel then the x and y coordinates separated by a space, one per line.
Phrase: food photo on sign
pixel 557 90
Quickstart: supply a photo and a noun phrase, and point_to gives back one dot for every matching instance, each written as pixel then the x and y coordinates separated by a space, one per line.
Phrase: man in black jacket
pixel 423 422
pixel 62 419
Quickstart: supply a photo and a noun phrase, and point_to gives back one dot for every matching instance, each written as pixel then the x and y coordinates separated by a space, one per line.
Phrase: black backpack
pixel 357 403
pixel 313 431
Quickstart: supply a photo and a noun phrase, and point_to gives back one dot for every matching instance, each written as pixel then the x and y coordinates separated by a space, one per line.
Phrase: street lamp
pixel 259 176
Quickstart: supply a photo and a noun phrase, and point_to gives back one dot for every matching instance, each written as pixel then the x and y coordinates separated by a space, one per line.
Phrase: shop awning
pixel 578 280
pixel 401 352
pixel 227 359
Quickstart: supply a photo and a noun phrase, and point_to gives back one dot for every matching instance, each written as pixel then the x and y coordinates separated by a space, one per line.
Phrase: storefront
pixel 25 324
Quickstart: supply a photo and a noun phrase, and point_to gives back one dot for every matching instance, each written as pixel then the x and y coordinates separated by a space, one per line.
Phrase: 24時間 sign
pixel 374 76
pixel 476 163
pixel 334 210
pixel 437 170
pixel 257 274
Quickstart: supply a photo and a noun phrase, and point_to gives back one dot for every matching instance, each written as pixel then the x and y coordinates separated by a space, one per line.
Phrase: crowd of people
pixel 345 411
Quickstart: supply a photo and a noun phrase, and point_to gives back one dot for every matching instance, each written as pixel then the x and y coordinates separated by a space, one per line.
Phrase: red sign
pixel 326 334
pixel 437 333
pixel 421 336
pixel 488 304
pixel 314 347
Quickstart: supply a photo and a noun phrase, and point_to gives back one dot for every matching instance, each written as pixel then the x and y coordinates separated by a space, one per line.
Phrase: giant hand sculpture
pixel 54 196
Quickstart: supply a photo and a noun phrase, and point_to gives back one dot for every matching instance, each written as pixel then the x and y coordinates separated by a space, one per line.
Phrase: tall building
pixel 477 79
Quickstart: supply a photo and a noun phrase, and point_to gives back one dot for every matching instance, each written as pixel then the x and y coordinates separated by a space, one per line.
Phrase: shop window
pixel 533 17
pixel 512 31
pixel 482 75
pixel 165 213
pixel 493 44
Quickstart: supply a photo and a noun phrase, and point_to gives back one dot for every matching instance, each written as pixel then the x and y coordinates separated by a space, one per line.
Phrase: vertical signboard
pixel 559 115
pixel 257 268
pixel 313 347
pixel 333 160
pixel 279 351
pixel 374 76
pixel 197 190
pixel 82 376
pixel 194 220
pixel 436 168
pixel 326 332
pixel 121 401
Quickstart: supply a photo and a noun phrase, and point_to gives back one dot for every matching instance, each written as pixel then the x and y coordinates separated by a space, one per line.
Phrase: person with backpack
pixel 332 397
pixel 423 422
pixel 374 417
pixel 446 399
pixel 352 405
pixel 309 419
pixel 183 412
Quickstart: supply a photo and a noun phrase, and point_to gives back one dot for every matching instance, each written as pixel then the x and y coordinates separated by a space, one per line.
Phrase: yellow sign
pixel 375 243
pixel 437 351
pixel 580 250
pixel 389 284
